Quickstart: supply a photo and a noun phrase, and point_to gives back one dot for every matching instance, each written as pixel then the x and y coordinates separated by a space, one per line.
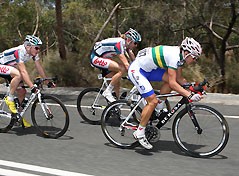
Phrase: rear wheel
pixel 111 124
pixel 6 120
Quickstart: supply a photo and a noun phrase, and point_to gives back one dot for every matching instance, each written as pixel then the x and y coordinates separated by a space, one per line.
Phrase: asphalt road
pixel 85 151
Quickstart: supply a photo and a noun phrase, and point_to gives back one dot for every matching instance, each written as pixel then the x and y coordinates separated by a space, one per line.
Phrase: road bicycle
pixel 198 130
pixel 48 114
pixel 91 102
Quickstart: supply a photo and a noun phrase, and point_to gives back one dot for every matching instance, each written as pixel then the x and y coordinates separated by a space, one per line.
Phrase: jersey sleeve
pixel 173 64
pixel 119 47
pixel 17 55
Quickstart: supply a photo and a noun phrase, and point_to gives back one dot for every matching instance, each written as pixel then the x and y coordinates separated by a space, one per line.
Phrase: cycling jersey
pixel 159 57
pixel 105 50
pixel 11 57
pixel 15 55
pixel 150 64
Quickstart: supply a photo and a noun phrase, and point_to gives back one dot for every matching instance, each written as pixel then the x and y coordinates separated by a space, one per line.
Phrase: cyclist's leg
pixel 14 76
pixel 103 63
pixel 139 79
pixel 159 75
pixel 21 92
pixel 117 71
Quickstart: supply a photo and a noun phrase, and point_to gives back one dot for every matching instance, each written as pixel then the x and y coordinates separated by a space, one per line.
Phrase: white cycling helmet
pixel 192 46
pixel 33 40
pixel 133 35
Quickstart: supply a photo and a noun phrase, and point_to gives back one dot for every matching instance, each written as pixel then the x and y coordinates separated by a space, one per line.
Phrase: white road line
pixel 72 106
pixel 6 172
pixel 226 116
pixel 39 169
pixel 231 117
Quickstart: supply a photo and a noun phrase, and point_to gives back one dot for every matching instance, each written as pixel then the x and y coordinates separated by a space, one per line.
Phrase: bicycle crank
pixel 152 133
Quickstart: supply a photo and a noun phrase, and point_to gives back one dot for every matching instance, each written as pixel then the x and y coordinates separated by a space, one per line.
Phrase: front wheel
pixel 90 105
pixel 206 141
pixel 50 117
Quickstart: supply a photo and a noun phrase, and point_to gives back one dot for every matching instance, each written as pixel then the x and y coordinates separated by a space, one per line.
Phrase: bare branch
pixel 71 34
pixel 232 47
pixel 18 30
pixel 130 8
pixel 104 25
pixel 225 27
pixel 213 32
pixel 37 18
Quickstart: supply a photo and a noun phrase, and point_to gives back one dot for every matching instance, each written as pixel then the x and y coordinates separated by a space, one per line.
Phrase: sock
pixel 11 97
pixel 109 88
pixel 140 131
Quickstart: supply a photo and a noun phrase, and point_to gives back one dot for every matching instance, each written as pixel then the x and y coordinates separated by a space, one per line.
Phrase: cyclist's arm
pixel 131 54
pixel 40 69
pixel 24 74
pixel 124 60
pixel 172 77
pixel 180 79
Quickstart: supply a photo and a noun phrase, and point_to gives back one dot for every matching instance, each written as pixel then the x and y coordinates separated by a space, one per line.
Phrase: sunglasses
pixel 136 43
pixel 37 48
pixel 194 57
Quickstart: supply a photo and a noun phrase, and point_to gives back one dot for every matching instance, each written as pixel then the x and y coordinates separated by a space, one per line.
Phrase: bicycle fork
pixel 193 118
pixel 46 110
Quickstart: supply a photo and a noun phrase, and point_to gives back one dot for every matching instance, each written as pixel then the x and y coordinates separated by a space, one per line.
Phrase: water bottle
pixel 16 101
pixel 161 116
pixel 159 106
pixel 24 102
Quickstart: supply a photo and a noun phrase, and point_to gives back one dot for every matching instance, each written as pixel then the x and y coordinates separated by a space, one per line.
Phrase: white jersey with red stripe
pixel 16 55
pixel 110 47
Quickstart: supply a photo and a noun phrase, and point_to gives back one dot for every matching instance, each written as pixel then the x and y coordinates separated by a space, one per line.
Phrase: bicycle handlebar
pixel 197 88
pixel 39 81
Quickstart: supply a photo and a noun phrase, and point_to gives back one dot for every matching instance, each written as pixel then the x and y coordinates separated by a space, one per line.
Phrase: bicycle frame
pixel 105 84
pixel 169 115
pixel 31 100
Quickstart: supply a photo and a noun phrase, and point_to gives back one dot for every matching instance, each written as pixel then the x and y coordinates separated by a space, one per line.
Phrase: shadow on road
pixel 162 146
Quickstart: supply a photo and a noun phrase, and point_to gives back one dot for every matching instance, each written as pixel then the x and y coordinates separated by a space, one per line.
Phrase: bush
pixel 73 72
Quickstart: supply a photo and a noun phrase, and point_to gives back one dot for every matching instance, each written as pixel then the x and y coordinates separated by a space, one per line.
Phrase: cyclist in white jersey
pixel 161 63
pixel 105 50
pixel 12 68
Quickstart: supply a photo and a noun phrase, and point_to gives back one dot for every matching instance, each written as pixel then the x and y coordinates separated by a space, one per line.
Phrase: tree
pixel 59 27
pixel 223 37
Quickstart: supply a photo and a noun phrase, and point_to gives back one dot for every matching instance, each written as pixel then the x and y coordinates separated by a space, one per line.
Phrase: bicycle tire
pixel 6 120
pixel 111 119
pixel 57 122
pixel 202 145
pixel 89 111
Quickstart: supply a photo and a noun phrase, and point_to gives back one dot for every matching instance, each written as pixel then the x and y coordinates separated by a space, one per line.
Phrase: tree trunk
pixel 61 43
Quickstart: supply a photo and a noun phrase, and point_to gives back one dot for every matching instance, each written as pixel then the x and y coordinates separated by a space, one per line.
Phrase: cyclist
pixel 12 68
pixel 105 50
pixel 161 63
